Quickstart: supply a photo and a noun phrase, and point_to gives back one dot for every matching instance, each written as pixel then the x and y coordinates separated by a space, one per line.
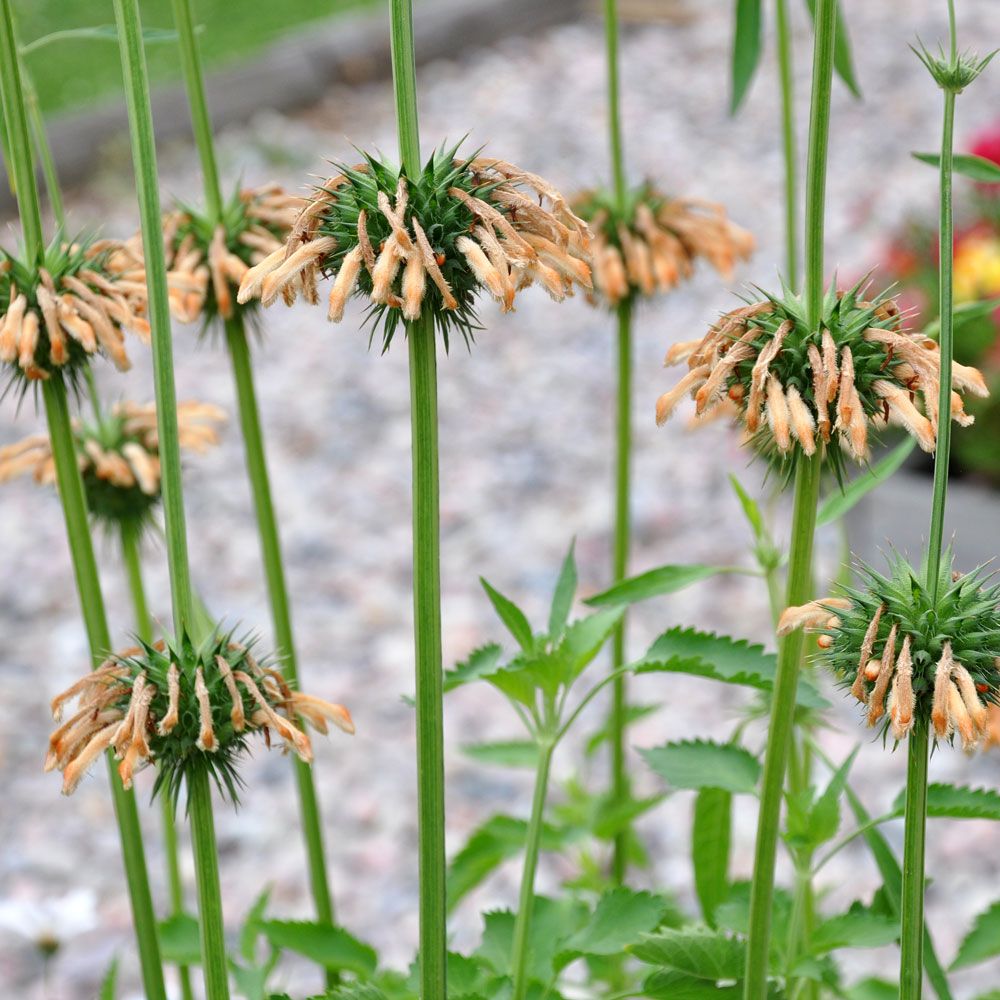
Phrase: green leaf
pixel 704 764
pixel 819 821
pixel 583 640
pixel 512 617
pixel 507 753
pixel 956 802
pixel 697 951
pixel 251 926
pixel 633 713
pixel 873 989
pixel 751 509
pixel 710 836
pixel 718 657
pixel 656 582
pixel 322 943
pixel 967 312
pixel 977 168
pixel 110 982
pixel 612 817
pixel 857 928
pixel 180 940
pixel 98 33
pixel 839 503
pixel 982 941
pixel 843 61
pixel 481 662
pixel 355 991
pixel 562 599
pixel 622 915
pixel 748 41
pixel 671 985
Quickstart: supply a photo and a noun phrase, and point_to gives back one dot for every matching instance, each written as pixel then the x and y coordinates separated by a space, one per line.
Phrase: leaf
pixel 710 836
pixel 322 943
pixel 110 981
pixel 251 926
pixel 977 168
pixel 751 509
pixel 621 916
pixel 99 33
pixel 355 991
pixel 857 928
pixel 748 41
pixel 180 940
pixel 820 820
pixel 562 599
pixel 982 941
pixel 873 989
pixel 671 985
pixel 704 764
pixel 656 582
pixel 613 817
pixel 966 312
pixel 481 662
pixel 718 657
pixel 956 802
pixel 838 504
pixel 697 951
pixel 512 617
pixel 633 713
pixel 583 640
pixel 843 61
pixel 507 753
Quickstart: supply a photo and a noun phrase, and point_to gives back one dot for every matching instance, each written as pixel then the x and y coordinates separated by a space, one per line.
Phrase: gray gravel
pixel 526 464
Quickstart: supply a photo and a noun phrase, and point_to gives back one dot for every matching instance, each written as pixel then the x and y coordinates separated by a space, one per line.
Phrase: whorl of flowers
pixel 797 389
pixel 75 303
pixel 208 258
pixel 909 659
pixel 431 242
pixel 182 707
pixel 655 243
pixel 118 455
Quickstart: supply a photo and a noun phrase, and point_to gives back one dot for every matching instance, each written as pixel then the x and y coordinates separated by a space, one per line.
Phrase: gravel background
pixel 526 464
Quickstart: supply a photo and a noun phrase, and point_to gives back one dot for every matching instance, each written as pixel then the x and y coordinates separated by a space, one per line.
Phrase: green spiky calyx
pixel 652 243
pixel 54 316
pixel 432 242
pixel 952 74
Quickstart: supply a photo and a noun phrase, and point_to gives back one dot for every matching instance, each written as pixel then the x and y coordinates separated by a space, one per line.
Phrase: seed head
pixel 182 707
pixel 654 244
pixel 428 243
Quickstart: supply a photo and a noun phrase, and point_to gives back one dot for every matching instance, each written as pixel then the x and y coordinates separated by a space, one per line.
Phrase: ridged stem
pixel 911 965
pixel 614 104
pixel 789 143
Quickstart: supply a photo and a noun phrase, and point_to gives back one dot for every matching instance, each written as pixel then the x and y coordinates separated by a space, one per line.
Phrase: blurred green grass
pixel 72 73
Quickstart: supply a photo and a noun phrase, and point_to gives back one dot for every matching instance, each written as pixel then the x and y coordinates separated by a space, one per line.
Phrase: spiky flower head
pixel 431 243
pixel 654 244
pixel 208 258
pixel 184 707
pixel 910 659
pixel 119 458
pixel 797 389
pixel 949 74
pixel 77 302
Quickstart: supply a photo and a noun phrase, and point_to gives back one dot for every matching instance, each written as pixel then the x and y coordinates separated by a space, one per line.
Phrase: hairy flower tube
pixel 909 659
pixel 183 707
pixel 76 303
pixel 207 259
pixel 434 241
pixel 119 457
pixel 654 244
pixel 796 389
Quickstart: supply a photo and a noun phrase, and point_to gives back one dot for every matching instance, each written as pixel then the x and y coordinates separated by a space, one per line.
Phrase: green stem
pixel 619 769
pixel 404 80
pixel 789 144
pixel 206 870
pixel 194 82
pixel 88 585
pixel 911 976
pixel 270 542
pixel 614 104
pixel 130 538
pixel 779 743
pixel 522 925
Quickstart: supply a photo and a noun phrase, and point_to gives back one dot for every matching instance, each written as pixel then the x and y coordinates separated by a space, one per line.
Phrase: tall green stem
pixel 130 538
pixel 88 584
pixel 789 143
pixel 420 335
pixel 614 104
pixel 522 925
pixel 267 527
pixel 911 967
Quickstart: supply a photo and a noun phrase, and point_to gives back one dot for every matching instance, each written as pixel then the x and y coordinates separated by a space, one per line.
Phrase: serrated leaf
pixel 748 41
pixel 612 817
pixel 671 985
pixel 109 983
pixel 656 582
pixel 982 941
pixel 710 839
pixel 618 920
pixel 718 657
pixel 583 640
pixel 355 991
pixel 820 820
pixel 633 713
pixel 562 598
pixel 696 951
pixel 251 981
pixel 325 944
pixel 839 503
pixel 843 61
pixel 956 802
pixel 976 168
pixel 696 764
pixel 506 753
pixel 180 940
pixel 481 662
pixel 858 928
pixel 512 617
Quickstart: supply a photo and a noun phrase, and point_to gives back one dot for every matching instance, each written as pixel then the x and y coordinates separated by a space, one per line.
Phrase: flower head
pixel 797 389
pixel 77 302
pixel 207 258
pixel 428 243
pixel 909 659
pixel 119 457
pixel 653 245
pixel 184 707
